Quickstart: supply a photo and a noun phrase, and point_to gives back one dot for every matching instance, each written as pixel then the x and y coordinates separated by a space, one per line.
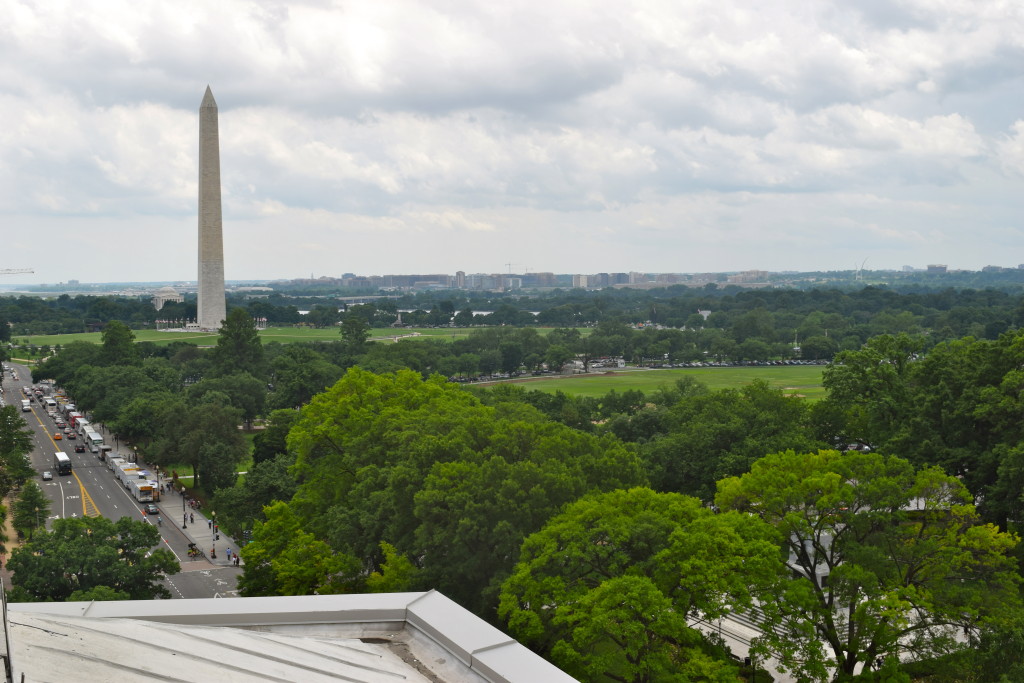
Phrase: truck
pixel 93 440
pixel 61 463
pixel 73 418
pixel 141 490
pixel 125 472
pixel 26 407
pixel 81 426
pixel 113 463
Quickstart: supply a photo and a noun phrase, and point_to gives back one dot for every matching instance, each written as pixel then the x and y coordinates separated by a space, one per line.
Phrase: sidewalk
pixel 198 529
pixel 171 507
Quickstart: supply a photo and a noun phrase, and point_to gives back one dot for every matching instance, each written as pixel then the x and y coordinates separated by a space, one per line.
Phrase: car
pixel 57 436
pixel 79 448
pixel 47 476
pixel 71 434
pixel 152 509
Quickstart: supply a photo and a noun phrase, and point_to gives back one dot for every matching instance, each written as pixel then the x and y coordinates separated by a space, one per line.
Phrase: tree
pixel 711 435
pixel 16 441
pixel 299 374
pixel 872 386
pixel 606 588
pixel 890 563
pixel 283 559
pixel 355 332
pixel 83 553
pixel 239 349
pixel 450 483
pixel 31 509
pixel 118 346
pixel 272 440
pixel 140 419
pixel 557 356
pixel 267 482
pixel 397 572
pixel 245 392
pixel 206 436
pixel 819 348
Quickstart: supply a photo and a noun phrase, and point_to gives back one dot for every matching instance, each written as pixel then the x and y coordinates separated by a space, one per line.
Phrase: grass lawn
pixel 284 335
pixel 800 380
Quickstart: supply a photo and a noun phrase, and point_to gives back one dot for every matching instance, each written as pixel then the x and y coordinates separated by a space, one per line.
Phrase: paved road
pixel 93 490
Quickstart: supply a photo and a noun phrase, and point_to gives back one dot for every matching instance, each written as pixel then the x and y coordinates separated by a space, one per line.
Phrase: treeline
pixel 846 319
pixel 579 522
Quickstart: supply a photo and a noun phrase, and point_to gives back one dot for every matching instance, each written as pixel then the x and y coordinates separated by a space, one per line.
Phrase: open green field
pixel 800 380
pixel 271 334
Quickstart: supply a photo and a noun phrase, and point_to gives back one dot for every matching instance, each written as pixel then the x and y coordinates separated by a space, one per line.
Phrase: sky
pixel 522 136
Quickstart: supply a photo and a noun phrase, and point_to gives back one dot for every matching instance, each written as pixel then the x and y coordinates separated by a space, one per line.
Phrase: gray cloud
pixel 377 137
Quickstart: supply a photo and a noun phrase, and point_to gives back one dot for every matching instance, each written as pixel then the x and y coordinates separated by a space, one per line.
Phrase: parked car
pixel 152 509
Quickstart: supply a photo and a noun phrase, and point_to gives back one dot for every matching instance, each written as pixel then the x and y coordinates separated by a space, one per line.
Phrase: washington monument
pixel 212 309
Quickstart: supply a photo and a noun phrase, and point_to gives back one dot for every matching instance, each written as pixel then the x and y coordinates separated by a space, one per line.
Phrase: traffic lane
pixel 200 579
pixel 41 460
pixel 113 501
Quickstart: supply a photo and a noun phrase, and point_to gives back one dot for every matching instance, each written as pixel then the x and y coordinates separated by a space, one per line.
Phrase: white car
pixel 47 476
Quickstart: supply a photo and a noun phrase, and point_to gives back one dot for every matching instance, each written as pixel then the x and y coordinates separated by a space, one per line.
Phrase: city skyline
pixel 676 137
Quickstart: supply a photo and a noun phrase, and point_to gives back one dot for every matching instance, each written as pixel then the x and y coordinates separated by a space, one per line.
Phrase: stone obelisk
pixel 212 309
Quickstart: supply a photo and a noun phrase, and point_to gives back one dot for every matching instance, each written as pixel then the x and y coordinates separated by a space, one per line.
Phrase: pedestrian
pixel 229 554
pixel 191 518
pixel 209 524
pixel 236 559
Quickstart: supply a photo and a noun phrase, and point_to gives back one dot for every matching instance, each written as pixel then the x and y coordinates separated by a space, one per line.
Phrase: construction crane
pixel 15 271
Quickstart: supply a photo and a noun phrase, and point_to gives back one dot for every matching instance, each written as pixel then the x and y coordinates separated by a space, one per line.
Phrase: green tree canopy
pixel 382 458
pixel 31 509
pixel 272 440
pixel 83 553
pixel 890 563
pixel 607 587
pixel 118 346
pixel 238 349
pixel 710 435
pixel 15 443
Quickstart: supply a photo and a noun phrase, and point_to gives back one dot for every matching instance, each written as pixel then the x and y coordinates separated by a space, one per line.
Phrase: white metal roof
pixel 396 637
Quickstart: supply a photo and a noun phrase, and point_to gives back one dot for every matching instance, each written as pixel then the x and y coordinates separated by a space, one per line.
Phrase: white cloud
pixel 1011 149
pixel 600 132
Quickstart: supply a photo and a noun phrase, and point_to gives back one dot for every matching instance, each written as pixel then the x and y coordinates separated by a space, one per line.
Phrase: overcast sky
pixel 419 137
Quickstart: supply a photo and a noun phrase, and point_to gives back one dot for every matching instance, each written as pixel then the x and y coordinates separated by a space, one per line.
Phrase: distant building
pixel 748 276
pixel 164 295
pixel 936 268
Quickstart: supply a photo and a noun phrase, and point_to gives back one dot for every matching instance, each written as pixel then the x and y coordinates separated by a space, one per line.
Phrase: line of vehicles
pixel 137 481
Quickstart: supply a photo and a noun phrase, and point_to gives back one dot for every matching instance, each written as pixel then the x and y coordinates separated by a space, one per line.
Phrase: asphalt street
pixel 92 489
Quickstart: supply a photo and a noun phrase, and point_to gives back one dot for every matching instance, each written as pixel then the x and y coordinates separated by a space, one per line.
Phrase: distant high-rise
pixel 212 307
